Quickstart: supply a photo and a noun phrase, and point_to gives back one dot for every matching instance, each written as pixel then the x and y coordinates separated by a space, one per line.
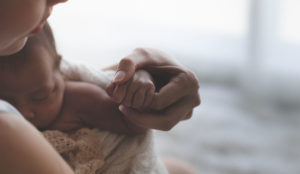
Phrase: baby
pixel 34 85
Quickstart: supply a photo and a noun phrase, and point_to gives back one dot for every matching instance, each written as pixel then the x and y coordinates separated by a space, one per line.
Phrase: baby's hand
pixel 137 93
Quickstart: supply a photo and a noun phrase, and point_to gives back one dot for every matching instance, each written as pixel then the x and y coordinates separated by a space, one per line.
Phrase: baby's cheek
pixel 46 115
pixel 49 108
pixel 55 105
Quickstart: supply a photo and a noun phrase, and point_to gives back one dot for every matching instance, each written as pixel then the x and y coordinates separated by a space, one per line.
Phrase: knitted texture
pixel 100 152
pixel 81 149
pixel 120 154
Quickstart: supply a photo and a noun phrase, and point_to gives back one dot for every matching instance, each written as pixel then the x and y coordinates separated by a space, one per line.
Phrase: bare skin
pixel 87 105
pixel 27 152
pixel 18 20
pixel 49 102
pixel 176 98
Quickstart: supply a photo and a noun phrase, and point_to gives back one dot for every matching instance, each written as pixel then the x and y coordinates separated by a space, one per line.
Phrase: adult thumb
pixel 125 71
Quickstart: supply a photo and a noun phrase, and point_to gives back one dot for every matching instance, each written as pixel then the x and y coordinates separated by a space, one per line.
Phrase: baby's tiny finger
pixel 131 90
pixel 119 93
pixel 148 97
pixel 139 98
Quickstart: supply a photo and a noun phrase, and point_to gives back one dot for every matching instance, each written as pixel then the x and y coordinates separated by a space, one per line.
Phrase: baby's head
pixel 30 79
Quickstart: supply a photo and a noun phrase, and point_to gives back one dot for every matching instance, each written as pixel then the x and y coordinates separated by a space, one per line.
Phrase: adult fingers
pixel 179 86
pixel 125 71
pixel 141 58
pixel 119 93
pixel 128 65
pixel 163 120
pixel 131 90
pixel 182 110
pixel 188 116
pixel 145 119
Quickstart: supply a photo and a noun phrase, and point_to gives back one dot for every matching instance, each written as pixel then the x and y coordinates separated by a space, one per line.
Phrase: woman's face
pixel 19 19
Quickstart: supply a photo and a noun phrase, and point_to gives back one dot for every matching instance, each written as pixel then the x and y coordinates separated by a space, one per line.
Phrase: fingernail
pixel 120 75
pixel 121 108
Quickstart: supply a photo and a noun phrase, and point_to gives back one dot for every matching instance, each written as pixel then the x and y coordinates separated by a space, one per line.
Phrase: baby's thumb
pixel 125 71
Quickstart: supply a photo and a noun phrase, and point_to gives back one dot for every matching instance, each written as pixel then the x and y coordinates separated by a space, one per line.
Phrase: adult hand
pixel 178 89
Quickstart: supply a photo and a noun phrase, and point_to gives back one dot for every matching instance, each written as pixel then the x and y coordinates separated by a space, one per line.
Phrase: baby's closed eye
pixel 44 94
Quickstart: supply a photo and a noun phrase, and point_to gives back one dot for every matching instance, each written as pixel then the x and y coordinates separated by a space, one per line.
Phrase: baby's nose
pixel 26 112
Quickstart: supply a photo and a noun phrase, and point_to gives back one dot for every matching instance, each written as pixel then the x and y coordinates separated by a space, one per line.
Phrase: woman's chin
pixel 14 48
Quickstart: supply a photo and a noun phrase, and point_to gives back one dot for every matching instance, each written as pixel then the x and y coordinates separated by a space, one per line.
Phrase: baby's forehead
pixel 38 51
pixel 26 76
pixel 24 59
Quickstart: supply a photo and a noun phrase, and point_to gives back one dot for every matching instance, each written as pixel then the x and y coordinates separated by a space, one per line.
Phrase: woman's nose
pixel 54 2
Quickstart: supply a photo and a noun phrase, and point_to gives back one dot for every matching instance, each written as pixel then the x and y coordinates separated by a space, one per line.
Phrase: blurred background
pixel 246 54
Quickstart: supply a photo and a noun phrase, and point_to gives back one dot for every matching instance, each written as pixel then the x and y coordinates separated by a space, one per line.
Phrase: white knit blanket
pixel 122 154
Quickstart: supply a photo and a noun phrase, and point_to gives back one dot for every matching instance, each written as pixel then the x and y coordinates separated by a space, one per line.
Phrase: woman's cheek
pixel 17 20
pixel 30 16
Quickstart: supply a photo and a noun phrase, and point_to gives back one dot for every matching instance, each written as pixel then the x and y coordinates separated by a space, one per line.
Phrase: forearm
pixel 24 150
pixel 108 117
pixel 95 108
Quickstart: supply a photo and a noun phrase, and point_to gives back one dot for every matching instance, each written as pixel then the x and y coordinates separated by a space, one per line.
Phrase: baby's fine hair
pixel 51 41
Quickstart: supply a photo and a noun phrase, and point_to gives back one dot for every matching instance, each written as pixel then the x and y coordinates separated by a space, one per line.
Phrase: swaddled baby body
pixel 35 86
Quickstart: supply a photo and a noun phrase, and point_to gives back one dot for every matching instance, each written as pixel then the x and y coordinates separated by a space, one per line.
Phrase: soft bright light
pixel 225 17
pixel 289 20
pixel 102 30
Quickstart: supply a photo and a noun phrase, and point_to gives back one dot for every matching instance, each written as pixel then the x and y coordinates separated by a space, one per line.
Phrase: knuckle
pixel 184 78
pixel 142 51
pixel 189 115
pixel 197 100
pixel 139 83
pixel 126 61
pixel 149 85
pixel 192 80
